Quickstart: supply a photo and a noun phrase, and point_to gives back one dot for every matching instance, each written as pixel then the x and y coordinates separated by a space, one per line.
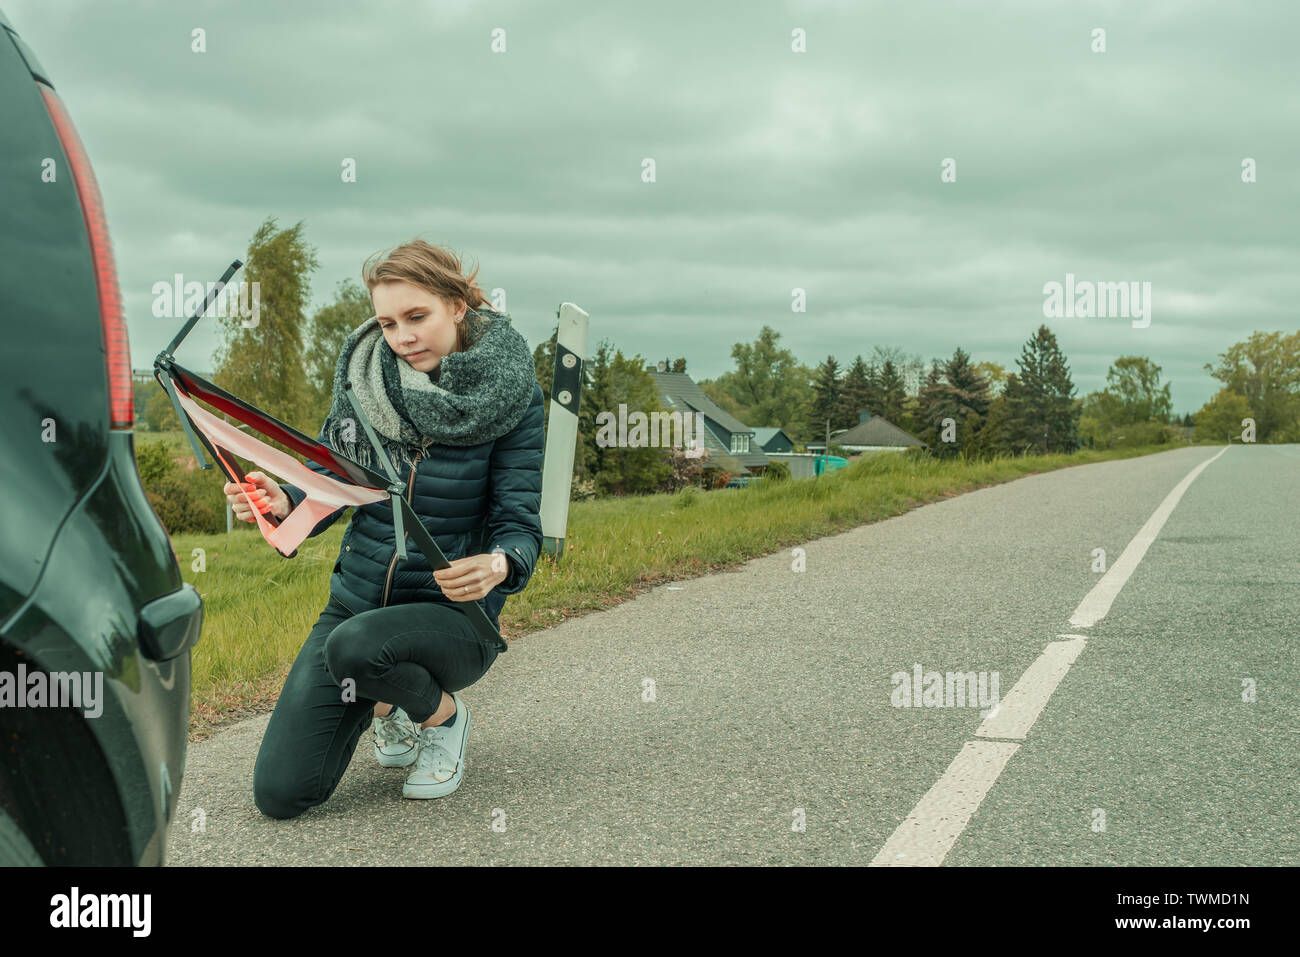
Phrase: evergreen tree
pixel 1041 411
pixel 856 396
pixel 827 391
pixel 892 393
pixel 955 391
pixel 967 386
pixel 872 399
pixel 929 427
pixel 627 469
pixel 993 436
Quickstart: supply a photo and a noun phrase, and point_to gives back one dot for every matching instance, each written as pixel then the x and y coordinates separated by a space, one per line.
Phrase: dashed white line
pixel 927 834
pixel 1096 603
pixel 1015 713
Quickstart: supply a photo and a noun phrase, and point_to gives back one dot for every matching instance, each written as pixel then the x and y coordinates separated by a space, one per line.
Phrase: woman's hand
pixel 265 493
pixel 469 579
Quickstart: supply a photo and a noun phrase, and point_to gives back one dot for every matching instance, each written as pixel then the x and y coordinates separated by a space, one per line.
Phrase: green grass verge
pixel 259 606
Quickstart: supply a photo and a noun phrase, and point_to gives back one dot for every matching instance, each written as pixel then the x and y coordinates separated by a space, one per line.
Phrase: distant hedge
pixel 185 501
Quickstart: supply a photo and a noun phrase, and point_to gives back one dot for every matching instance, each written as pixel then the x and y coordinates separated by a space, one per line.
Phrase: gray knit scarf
pixel 472 397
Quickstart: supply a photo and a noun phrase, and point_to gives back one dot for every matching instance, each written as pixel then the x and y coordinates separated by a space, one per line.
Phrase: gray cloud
pixel 775 170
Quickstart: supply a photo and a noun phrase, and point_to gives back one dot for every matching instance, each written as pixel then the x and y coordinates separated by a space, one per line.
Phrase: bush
pixel 728 467
pixel 158 412
pixel 153 461
pixel 1131 435
pixel 777 471
pixel 686 470
pixel 184 501
pixel 581 491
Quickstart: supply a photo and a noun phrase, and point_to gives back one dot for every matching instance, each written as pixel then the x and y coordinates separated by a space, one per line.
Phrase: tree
pixel 993 436
pixel 1220 419
pixel 1041 411
pixel 995 374
pixel 1100 419
pixel 622 470
pixel 263 363
pixel 159 413
pixel 1132 409
pixel 856 395
pixel 1135 381
pixel 544 367
pixel 911 369
pixel 768 387
pixel 330 328
pixel 827 392
pixel 1265 371
pixel 892 393
pixel 930 430
pixel 954 390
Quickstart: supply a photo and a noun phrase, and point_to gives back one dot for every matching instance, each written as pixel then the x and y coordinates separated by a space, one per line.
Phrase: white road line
pixel 927 834
pixel 1014 714
pixel 1096 603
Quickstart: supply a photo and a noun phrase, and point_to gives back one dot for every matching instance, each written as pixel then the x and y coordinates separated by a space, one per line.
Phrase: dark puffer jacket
pixel 470 498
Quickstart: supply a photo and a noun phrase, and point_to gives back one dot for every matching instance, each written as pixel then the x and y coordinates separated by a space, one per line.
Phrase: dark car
pixel 90 590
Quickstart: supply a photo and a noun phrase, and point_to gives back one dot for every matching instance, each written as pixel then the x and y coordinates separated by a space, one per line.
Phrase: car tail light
pixel 117 350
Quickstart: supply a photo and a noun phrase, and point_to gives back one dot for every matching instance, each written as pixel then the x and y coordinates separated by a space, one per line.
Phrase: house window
pixel 739 443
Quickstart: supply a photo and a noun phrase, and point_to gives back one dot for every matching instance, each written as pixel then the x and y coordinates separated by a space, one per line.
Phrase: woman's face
pixel 418 325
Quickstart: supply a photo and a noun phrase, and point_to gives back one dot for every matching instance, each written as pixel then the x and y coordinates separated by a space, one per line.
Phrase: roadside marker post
pixel 562 427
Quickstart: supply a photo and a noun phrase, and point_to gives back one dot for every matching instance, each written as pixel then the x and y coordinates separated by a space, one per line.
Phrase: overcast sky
pixel 775 170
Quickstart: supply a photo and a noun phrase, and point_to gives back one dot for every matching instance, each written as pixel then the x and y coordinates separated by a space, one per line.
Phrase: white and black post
pixel 562 428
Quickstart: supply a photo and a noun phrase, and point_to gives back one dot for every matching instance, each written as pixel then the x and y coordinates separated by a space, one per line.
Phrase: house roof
pixel 681 394
pixel 876 431
pixel 679 385
pixel 765 433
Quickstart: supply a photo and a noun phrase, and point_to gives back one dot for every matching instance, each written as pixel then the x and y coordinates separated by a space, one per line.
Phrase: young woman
pixel 449 387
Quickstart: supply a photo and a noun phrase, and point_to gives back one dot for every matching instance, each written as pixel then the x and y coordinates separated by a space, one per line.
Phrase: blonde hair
pixel 432 268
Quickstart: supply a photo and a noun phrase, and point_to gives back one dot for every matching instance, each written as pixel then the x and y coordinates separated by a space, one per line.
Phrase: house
pixel 773 439
pixel 780 448
pixel 724 434
pixel 874 434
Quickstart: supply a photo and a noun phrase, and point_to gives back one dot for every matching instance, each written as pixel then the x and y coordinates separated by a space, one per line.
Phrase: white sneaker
pixel 397 740
pixel 441 762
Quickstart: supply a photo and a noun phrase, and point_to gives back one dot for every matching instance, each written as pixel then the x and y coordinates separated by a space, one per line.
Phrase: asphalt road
pixel 774 692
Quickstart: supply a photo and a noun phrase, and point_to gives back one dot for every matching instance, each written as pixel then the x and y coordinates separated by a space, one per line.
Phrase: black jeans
pixel 405 655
